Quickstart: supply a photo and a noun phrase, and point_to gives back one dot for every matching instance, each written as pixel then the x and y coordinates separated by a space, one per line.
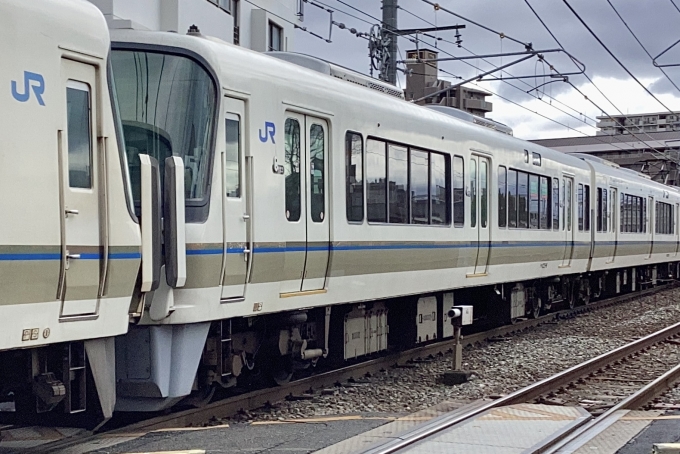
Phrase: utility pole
pixel 389 14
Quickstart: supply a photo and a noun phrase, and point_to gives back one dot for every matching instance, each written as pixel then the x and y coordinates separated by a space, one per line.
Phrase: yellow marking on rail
pixel 304 293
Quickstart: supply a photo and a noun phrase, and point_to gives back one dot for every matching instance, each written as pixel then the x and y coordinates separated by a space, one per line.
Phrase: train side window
pixel 354 181
pixel 533 201
pixel 292 169
pixel 612 211
pixel 458 191
pixel 522 200
pixel 420 196
pixel 622 213
pixel 598 209
pixel 586 208
pixel 473 192
pixel 317 177
pixel 568 202
pixel 502 196
pixel 440 192
pixel 79 134
pixel 376 173
pixel 544 204
pixel 555 204
pixel 397 185
pixel 512 198
pixel 580 206
pixel 484 191
pixel 643 215
pixel 605 218
pixel 233 158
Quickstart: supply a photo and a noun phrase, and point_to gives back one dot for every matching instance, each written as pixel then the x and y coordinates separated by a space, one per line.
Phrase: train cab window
pixel 533 201
pixel 544 205
pixel 420 198
pixel 291 169
pixel 502 196
pixel 233 158
pixel 458 191
pixel 522 200
pixel 317 180
pixel 473 192
pixel 512 198
pixel 397 184
pixel 354 169
pixel 79 136
pixel 483 192
pixel 440 191
pixel 555 204
pixel 376 174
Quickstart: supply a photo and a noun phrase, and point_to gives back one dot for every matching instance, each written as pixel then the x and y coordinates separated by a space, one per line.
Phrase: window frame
pixel 271 26
pixel 348 135
pixel 502 194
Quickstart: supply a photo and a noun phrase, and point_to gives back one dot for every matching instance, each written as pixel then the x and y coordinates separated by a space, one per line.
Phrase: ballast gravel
pixel 499 367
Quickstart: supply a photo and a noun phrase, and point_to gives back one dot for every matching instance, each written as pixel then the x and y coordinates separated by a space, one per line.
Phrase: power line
pixel 297 26
pixel 614 56
pixel 676 6
pixel 640 43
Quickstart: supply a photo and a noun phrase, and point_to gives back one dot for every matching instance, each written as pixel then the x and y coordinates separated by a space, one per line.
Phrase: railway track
pixel 259 398
pixel 636 362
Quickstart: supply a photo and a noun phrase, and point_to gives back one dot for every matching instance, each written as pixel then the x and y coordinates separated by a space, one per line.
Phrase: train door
pixel 236 222
pixel 316 195
pixel 567 190
pixel 308 227
pixel 650 213
pixel 81 256
pixel 479 210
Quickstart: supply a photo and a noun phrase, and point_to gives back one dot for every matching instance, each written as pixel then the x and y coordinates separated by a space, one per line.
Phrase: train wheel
pixel 282 370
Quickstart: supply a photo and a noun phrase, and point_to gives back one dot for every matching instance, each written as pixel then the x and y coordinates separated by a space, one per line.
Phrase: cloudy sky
pixel 656 23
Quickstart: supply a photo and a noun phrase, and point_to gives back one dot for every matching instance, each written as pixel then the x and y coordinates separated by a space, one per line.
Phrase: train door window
pixel 354 181
pixel 512 198
pixel 579 198
pixel 643 214
pixel 473 192
pixel 502 196
pixel 568 194
pixel 458 191
pixel 605 218
pixel 555 204
pixel 440 191
pixel 598 209
pixel 376 173
pixel 397 185
pixel 79 127
pixel 622 213
pixel 544 204
pixel 233 157
pixel 484 191
pixel 533 201
pixel 522 200
pixel 292 169
pixel 420 199
pixel 317 177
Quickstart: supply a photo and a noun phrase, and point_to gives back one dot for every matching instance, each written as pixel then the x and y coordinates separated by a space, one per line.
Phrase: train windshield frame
pixel 168 105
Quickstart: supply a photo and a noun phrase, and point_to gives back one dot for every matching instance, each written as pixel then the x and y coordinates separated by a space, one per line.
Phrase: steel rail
pixel 258 398
pixel 527 393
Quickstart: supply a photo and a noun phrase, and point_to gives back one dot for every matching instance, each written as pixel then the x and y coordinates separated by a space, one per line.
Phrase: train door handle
pixel 72 256
pixel 246 216
pixel 73 212
pixel 246 253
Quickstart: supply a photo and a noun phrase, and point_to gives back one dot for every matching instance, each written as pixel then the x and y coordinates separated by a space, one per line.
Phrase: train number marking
pixel 33 81
pixel 269 132
pixel 30 334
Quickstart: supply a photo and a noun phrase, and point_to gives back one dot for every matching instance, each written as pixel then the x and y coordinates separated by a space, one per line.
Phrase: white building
pixel 639 123
pixel 260 25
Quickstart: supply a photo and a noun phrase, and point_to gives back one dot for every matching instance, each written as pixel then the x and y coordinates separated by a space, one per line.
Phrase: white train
pixel 310 212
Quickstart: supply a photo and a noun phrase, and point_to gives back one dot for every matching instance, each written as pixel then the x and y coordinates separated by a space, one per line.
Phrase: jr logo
pixel 31 80
pixel 269 132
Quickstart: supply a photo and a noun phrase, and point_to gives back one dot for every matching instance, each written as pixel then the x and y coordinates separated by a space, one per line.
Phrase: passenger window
pixel 605 218
pixel 580 207
pixel 317 188
pixel 79 127
pixel 502 196
pixel 420 198
pixel 544 206
pixel 512 198
pixel 376 173
pixel 568 203
pixel 233 158
pixel 473 193
pixel 533 201
pixel 586 208
pixel 397 171
pixel 292 169
pixel 439 190
pixel 458 191
pixel 522 200
pixel 354 169
pixel 556 204
pixel 484 195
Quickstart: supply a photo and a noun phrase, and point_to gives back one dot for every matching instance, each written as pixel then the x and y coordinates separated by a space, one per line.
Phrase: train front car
pixel 69 244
